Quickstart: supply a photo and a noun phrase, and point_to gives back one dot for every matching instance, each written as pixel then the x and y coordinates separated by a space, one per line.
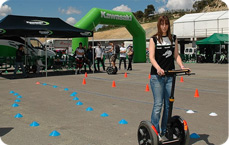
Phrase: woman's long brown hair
pixel 161 20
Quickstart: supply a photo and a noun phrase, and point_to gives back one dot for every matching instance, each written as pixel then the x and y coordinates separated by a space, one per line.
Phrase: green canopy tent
pixel 215 39
pixel 213 45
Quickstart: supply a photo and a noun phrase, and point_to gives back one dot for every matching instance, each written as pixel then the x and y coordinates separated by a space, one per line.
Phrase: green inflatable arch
pixel 101 16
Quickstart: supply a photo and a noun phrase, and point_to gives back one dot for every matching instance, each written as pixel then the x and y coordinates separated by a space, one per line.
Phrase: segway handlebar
pixel 179 72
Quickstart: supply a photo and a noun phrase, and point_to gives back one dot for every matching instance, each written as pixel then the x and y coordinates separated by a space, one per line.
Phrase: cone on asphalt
pixel 196 93
pixel 54 86
pixel 147 88
pixel 38 83
pixel 194 135
pixel 149 77
pixel 104 115
pixel 89 109
pixel 15 105
pixel 84 82
pixel 113 84
pixel 17 100
pixel 75 98
pixel 181 79
pixel 34 124
pixel 123 121
pixel 18 115
pixel 54 133
pixel 125 75
pixel 79 103
pixel 85 74
pixel 19 97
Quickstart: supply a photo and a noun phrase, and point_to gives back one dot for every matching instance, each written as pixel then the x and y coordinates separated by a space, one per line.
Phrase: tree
pixel 200 5
pixel 149 10
pixel 139 15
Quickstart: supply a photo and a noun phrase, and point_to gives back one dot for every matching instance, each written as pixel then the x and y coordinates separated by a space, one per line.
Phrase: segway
pixel 177 128
pixel 110 70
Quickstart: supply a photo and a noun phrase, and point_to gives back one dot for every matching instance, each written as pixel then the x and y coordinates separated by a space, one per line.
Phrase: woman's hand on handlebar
pixel 160 72
pixel 183 67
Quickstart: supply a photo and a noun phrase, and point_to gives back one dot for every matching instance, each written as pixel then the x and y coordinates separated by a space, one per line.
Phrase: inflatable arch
pixel 101 16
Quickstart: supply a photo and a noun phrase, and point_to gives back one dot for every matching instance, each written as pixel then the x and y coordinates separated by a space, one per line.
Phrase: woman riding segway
pixel 115 51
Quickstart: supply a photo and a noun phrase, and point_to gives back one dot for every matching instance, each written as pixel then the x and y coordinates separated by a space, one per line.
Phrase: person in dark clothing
pixel 130 53
pixel 19 58
pixel 89 56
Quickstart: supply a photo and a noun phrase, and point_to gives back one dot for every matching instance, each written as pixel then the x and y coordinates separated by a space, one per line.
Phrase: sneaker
pixel 174 136
pixel 162 138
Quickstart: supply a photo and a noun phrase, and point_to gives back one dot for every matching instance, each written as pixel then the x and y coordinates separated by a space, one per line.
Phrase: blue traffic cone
pixel 54 86
pixel 104 115
pixel 18 115
pixel 66 89
pixel 34 124
pixel 16 94
pixel 194 135
pixel 123 121
pixel 79 103
pixel 74 93
pixel 11 92
pixel 89 109
pixel 54 133
pixel 19 97
pixel 15 105
pixel 44 84
pixel 17 100
pixel 75 98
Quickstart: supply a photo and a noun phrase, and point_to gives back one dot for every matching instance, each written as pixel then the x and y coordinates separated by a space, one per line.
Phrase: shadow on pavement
pixel 203 137
pixel 5 130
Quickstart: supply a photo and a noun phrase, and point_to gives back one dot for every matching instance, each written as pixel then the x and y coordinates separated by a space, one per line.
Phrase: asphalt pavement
pixel 52 105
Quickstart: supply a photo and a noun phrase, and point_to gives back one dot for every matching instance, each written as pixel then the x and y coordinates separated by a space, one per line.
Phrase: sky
pixel 71 11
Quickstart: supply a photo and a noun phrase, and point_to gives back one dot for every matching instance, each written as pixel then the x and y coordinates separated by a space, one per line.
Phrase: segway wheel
pixel 146 134
pixel 115 70
pixel 180 129
pixel 109 70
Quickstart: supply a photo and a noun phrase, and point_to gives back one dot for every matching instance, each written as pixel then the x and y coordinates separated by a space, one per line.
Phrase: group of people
pixel 85 57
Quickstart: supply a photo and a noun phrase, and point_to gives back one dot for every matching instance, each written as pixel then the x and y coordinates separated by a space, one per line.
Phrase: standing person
pixel 163 50
pixel 89 56
pixel 79 54
pixel 99 56
pixel 122 56
pixel 130 53
pixel 19 60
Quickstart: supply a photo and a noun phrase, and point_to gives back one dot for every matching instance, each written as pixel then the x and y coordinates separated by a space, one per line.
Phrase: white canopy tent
pixel 199 25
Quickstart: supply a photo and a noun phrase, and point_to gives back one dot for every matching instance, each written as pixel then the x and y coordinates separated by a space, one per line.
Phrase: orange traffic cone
pixel 181 79
pixel 125 75
pixel 149 76
pixel 147 88
pixel 113 84
pixel 38 83
pixel 84 82
pixel 196 94
pixel 85 74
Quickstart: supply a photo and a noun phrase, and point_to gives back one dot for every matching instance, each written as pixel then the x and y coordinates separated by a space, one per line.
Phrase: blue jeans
pixel 161 88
